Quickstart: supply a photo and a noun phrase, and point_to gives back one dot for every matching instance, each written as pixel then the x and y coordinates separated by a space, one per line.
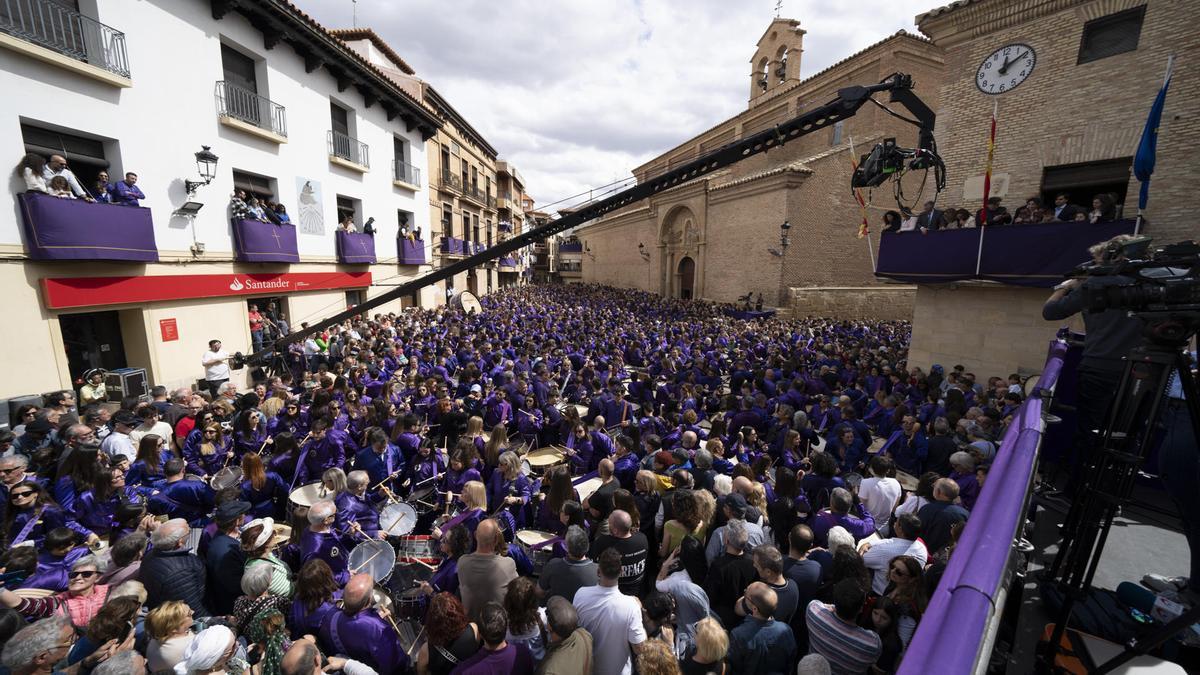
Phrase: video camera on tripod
pixel 1166 279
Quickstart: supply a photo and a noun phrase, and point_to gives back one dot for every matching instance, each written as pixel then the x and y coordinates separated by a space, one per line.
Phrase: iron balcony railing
pixel 406 172
pixel 473 192
pixel 349 149
pixel 50 25
pixel 247 106
pixel 452 181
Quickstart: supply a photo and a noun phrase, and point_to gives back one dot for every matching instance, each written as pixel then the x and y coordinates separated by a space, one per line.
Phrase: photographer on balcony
pixel 1110 334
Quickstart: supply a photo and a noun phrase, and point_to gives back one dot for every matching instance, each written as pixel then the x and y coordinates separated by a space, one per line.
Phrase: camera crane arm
pixel 845 105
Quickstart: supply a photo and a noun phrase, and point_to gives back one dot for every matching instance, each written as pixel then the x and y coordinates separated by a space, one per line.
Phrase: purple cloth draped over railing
pixel 1019 255
pixel 72 229
pixel 574 247
pixel 508 262
pixel 355 248
pixel 256 241
pixel 952 630
pixel 411 252
pixel 453 245
pixel 749 315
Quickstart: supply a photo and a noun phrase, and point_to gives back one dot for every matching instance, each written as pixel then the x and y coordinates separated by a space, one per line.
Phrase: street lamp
pixel 206 164
pixel 784 241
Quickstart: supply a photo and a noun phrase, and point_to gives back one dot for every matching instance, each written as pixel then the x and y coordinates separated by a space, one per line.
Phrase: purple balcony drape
pixel 1018 255
pixel 453 245
pixel 411 252
pixel 355 248
pixel 255 241
pixel 72 229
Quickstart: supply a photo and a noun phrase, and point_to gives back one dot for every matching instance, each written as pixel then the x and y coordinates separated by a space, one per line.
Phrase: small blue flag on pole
pixel 1143 161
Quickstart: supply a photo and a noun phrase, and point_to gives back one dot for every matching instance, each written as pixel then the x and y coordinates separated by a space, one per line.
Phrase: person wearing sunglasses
pixel 249 434
pixel 291 419
pixel 205 420
pixel 31 514
pixel 79 603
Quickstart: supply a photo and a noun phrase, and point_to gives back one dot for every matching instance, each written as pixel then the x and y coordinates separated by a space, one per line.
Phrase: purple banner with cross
pixel 355 248
pixel 255 241
pixel 72 229
pixel 410 251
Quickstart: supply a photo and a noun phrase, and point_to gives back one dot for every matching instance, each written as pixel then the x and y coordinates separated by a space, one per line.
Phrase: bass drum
pixel 466 302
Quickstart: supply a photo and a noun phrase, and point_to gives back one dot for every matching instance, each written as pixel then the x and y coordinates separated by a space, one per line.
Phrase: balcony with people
pixel 453 246
pixel 55 33
pixel 262 231
pixel 245 110
pixel 1035 246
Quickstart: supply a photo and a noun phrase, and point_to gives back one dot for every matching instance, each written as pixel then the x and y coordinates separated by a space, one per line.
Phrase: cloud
pixel 578 93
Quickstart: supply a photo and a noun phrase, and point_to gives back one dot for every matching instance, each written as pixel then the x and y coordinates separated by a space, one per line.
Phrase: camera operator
pixel 1179 468
pixel 1110 334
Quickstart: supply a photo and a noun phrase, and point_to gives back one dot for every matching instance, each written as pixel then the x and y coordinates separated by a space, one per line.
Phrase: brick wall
pixel 1067 113
pixel 874 302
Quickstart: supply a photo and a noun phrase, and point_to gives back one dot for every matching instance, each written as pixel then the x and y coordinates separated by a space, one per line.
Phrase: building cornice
pixel 960 21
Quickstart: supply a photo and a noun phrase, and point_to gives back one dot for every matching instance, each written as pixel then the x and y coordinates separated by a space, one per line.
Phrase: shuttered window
pixel 1111 35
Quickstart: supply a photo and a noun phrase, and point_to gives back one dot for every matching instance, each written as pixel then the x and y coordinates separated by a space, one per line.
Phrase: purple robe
pixel 327 453
pixel 327 546
pixel 364 637
pixel 351 509
pixel 445 578
pixel 303 622
pixel 499 488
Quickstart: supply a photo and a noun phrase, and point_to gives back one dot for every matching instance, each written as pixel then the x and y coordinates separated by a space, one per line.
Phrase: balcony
pixel 476 195
pixel 355 248
pixel 348 152
pixel 256 241
pixel 246 111
pixel 410 251
pixel 451 182
pixel 453 246
pixel 72 229
pixel 1017 255
pixel 508 264
pixel 47 31
pixel 405 175
pixel 570 247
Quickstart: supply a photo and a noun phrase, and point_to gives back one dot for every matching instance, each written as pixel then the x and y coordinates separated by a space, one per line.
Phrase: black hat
pixel 127 418
pixel 736 503
pixel 230 510
pixel 40 425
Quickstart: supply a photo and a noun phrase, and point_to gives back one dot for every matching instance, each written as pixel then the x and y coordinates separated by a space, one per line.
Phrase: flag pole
pixel 1137 224
pixel 987 185
pixel 864 228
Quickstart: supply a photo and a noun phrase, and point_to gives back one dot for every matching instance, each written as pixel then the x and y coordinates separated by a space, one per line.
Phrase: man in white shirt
pixel 57 166
pixel 878 556
pixel 613 618
pixel 879 493
pixel 216 366
pixel 152 424
pixel 118 442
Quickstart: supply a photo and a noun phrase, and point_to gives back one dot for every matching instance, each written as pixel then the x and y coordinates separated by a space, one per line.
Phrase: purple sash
pixel 28 527
pixel 457 520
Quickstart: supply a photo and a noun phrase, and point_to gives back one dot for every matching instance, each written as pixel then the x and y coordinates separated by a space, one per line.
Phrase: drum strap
pixel 446 654
pixel 299 464
pixel 333 633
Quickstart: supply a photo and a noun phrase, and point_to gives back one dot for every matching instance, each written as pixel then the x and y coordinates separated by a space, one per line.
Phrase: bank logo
pixel 236 285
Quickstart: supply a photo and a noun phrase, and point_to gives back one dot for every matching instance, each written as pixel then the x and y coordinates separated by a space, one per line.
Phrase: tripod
pixel 1111 470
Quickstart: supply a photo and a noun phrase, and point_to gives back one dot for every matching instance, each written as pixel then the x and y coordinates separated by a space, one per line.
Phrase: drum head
pixel 876 445
pixel 543 457
pixel 307 495
pixel 398 519
pixel 407 576
pixel 820 444
pixel 533 537
pixel 587 487
pixel 226 478
pixel 373 557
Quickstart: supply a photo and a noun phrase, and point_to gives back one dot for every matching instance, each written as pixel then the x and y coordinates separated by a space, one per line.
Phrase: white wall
pixel 174 54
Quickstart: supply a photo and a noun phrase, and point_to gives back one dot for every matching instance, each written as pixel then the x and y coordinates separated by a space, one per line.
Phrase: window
pixel 350 206
pixel 259 186
pixel 447 167
pixel 474 178
pixel 355 298
pixel 339 117
pixel 1111 35
pixel 465 168
pixel 238 69
pixel 399 150
pixel 85 156
pixel 406 223
pixel 1082 182
pixel 448 220
pixel 475 227
pixel 837 133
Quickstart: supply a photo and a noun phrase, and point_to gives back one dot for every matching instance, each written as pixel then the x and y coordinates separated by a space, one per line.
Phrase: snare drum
pixel 907 480
pixel 410 604
pixel 397 519
pixel 405 587
pixel 539 556
pixel 418 547
pixel 543 458
pixel 307 495
pixel 226 478
pixel 424 501
pixel 373 557
pixel 587 487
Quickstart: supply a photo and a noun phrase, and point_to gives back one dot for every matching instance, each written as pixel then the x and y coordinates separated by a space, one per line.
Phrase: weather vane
pixel 778 8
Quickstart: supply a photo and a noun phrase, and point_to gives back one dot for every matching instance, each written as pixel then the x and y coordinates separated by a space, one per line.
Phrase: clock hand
pixel 1004 68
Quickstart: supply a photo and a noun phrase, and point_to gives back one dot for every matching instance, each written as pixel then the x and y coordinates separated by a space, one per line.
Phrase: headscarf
pixel 274 642
pixel 205 650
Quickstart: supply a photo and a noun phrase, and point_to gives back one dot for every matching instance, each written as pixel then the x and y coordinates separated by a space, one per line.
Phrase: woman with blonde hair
pixel 334 481
pixel 712 643
pixel 474 499
pixel 509 489
pixel 474 434
pixel 214 448
pixel 170 629
pixel 655 658
pixel 495 446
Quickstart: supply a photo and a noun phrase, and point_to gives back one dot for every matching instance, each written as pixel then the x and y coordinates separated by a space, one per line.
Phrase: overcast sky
pixel 578 92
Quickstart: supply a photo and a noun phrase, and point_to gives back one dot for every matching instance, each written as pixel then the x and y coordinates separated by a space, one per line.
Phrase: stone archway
pixel 686 272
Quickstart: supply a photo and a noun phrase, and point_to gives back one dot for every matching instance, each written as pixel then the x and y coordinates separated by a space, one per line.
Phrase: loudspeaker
pixel 125 382
pixel 17 402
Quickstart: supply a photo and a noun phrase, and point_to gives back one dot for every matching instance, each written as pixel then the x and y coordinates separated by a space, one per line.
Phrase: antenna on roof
pixel 778 8
pixel 354 13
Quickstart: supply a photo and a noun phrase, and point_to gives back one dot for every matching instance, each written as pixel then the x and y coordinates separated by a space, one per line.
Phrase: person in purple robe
pixel 181 497
pixel 509 489
pixel 408 440
pixel 962 466
pixel 355 512
pixel 291 420
pixel 326 449
pixel 460 471
pixel 381 460
pixel 31 514
pixel 497 410
pixel 454 544
pixel 496 655
pixel 285 454
pixel 530 421
pixel 425 467
pixel 94 509
pixel 359 632
pixel 249 434
pixel 320 541
pixel 265 490
pixel 317 595
pixel 579 449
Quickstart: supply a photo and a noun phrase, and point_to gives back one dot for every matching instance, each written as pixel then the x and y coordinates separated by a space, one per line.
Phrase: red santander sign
pixel 71 292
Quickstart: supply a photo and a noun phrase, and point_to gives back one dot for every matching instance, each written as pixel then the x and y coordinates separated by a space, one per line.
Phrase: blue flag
pixel 1143 161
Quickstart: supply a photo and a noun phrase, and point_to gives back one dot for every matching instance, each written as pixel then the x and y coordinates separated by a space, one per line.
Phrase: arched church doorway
pixel 687 277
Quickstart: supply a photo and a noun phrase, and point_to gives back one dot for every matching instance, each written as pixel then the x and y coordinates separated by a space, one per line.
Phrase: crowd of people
pixel 55 178
pixel 720 496
pixel 247 206
pixel 1104 209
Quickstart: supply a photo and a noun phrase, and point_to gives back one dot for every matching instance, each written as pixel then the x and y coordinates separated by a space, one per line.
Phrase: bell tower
pixel 776 61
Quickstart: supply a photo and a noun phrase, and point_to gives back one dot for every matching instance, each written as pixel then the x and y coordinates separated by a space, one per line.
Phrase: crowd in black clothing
pixel 723 496
pixel 1104 208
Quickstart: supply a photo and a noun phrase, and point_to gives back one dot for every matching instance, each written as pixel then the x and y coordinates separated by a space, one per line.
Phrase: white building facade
pixel 293 115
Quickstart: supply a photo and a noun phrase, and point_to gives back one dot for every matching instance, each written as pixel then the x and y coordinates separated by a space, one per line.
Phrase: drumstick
pixel 395 522
pixel 389 477
pixel 416 641
pixel 422 563
pixel 364 563
pixel 264 445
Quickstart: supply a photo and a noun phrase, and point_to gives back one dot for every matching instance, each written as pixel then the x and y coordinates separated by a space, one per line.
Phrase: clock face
pixel 1005 69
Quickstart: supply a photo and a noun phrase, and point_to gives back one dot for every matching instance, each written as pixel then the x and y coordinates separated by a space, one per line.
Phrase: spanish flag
pixel 987 174
pixel 864 227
